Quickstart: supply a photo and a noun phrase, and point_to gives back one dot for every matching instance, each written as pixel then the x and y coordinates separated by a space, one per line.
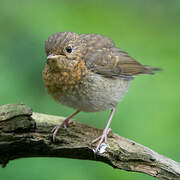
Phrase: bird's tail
pixel 151 70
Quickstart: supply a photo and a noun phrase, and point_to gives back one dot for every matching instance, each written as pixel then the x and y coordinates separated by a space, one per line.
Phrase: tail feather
pixel 151 70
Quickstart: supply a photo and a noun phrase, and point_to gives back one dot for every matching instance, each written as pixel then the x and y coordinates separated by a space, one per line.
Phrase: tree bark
pixel 26 134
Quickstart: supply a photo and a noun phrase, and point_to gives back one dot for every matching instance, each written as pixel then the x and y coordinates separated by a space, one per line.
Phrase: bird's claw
pixel 64 124
pixel 101 140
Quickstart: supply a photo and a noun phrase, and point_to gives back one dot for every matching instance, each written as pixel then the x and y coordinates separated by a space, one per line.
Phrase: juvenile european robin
pixel 88 73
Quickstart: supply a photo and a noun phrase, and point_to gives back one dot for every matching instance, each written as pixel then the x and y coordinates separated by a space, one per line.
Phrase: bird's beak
pixel 51 57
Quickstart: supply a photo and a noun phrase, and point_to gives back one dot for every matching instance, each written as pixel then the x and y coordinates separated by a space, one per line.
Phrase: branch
pixel 27 134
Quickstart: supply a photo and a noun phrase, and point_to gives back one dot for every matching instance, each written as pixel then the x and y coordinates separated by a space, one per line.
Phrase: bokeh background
pixel 149 113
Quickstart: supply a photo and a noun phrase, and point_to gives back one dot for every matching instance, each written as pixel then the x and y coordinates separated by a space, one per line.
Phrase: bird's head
pixel 64 47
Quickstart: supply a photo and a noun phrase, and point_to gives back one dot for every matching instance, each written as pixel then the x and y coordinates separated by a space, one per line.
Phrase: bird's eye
pixel 69 49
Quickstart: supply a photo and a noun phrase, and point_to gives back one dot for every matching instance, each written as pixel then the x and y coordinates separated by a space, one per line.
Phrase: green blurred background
pixel 149 113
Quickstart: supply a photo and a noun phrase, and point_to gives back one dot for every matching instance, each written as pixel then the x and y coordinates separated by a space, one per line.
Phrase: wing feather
pixel 115 63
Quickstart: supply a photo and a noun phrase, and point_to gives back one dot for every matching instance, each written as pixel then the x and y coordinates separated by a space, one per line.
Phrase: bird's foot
pixel 101 139
pixel 64 124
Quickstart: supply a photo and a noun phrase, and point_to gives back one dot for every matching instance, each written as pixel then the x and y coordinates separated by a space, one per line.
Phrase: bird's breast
pixel 64 81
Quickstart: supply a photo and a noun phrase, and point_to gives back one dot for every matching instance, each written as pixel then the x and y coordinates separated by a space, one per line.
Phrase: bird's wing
pixel 115 63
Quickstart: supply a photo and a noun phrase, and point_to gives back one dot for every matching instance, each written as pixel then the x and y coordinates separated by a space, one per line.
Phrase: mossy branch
pixel 26 134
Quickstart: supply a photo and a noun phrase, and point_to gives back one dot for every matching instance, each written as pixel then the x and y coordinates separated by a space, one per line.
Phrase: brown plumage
pixel 88 73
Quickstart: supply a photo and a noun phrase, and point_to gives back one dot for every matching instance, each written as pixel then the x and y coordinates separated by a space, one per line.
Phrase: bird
pixel 88 73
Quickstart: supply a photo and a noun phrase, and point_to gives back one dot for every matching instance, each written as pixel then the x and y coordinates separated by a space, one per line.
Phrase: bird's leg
pixel 103 137
pixel 64 124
